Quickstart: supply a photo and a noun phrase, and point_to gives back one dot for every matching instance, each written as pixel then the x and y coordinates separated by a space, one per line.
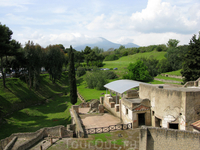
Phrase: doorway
pixel 173 125
pixel 141 119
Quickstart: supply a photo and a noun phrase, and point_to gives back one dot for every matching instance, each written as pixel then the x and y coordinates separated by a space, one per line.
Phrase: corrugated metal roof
pixel 121 86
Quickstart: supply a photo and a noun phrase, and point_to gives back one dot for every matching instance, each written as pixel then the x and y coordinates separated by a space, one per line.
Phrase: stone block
pixel 101 108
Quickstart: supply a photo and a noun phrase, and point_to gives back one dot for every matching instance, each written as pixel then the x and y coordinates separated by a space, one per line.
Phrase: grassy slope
pixel 123 62
pixel 177 73
pixel 30 119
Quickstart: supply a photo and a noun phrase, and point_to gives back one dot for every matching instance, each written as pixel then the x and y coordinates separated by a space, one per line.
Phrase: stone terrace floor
pixel 96 120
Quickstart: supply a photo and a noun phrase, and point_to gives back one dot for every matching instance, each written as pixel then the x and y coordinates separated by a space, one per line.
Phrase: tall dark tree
pixel 5 37
pixel 54 61
pixel 72 78
pixel 191 64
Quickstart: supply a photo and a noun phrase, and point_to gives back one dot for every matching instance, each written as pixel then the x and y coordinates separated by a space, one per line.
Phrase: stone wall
pixel 192 108
pixel 168 104
pixel 172 76
pixel 151 138
pixel 75 120
pixel 34 137
pixel 107 104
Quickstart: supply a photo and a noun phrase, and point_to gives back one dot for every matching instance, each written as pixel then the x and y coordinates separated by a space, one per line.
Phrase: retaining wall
pixel 152 138
pixel 75 120
pixel 34 137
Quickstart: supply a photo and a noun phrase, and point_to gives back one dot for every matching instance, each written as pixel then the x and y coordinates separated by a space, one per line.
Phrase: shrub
pixel 110 74
pixel 80 71
pixel 96 79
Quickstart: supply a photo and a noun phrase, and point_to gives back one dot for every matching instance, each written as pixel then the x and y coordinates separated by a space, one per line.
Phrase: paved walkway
pixel 99 120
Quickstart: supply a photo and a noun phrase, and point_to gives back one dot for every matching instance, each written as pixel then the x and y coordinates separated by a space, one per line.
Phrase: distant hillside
pixel 105 44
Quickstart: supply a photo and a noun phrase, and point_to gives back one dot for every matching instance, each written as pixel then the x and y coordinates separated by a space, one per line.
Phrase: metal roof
pixel 121 86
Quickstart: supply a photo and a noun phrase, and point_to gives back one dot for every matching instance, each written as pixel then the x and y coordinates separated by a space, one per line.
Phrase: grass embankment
pixel 124 61
pixel 176 73
pixel 30 119
pixel 89 94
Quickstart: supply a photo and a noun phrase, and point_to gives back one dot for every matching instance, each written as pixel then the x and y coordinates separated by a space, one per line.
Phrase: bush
pixel 110 74
pixel 80 71
pixel 138 71
pixel 96 80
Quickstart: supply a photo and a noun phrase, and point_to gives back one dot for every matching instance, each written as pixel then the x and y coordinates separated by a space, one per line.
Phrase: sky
pixel 77 22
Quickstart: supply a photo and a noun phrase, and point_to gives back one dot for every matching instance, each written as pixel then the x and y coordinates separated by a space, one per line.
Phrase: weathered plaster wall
pixel 167 104
pixel 127 118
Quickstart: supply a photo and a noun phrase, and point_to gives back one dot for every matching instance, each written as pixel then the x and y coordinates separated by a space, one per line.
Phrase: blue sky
pixel 76 22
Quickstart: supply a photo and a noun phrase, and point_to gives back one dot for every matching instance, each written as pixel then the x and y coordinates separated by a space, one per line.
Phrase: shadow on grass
pixel 37 117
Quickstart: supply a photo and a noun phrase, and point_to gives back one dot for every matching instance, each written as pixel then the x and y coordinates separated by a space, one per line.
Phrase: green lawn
pixel 89 94
pixel 177 73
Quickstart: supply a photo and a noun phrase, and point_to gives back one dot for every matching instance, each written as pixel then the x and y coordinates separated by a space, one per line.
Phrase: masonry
pixel 152 138
pixel 172 106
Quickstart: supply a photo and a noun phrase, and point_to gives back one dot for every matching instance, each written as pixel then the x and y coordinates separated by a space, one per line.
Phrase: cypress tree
pixel 72 78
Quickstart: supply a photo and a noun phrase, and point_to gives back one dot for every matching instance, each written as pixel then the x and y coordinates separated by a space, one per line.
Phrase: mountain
pixel 105 44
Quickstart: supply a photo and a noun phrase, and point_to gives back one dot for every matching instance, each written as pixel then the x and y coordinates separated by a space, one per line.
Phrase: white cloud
pixel 161 17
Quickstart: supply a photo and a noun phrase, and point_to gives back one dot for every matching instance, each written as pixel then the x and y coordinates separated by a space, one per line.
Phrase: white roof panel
pixel 121 86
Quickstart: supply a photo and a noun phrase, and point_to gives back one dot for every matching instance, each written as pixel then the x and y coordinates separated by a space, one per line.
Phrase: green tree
pixel 151 64
pixel 54 61
pixel 98 50
pixel 72 79
pixel 5 37
pixel 34 62
pixel 137 71
pixel 191 64
pixel 172 43
pixel 163 66
pixel 174 58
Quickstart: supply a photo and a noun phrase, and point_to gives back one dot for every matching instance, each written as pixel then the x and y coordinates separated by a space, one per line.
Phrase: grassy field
pixel 54 112
pixel 89 94
pixel 123 62
pixel 177 73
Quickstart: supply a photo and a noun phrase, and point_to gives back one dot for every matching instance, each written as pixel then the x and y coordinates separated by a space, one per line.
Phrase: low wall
pixel 168 81
pixel 172 76
pixel 34 137
pixel 75 120
pixel 152 138
pixel 189 83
